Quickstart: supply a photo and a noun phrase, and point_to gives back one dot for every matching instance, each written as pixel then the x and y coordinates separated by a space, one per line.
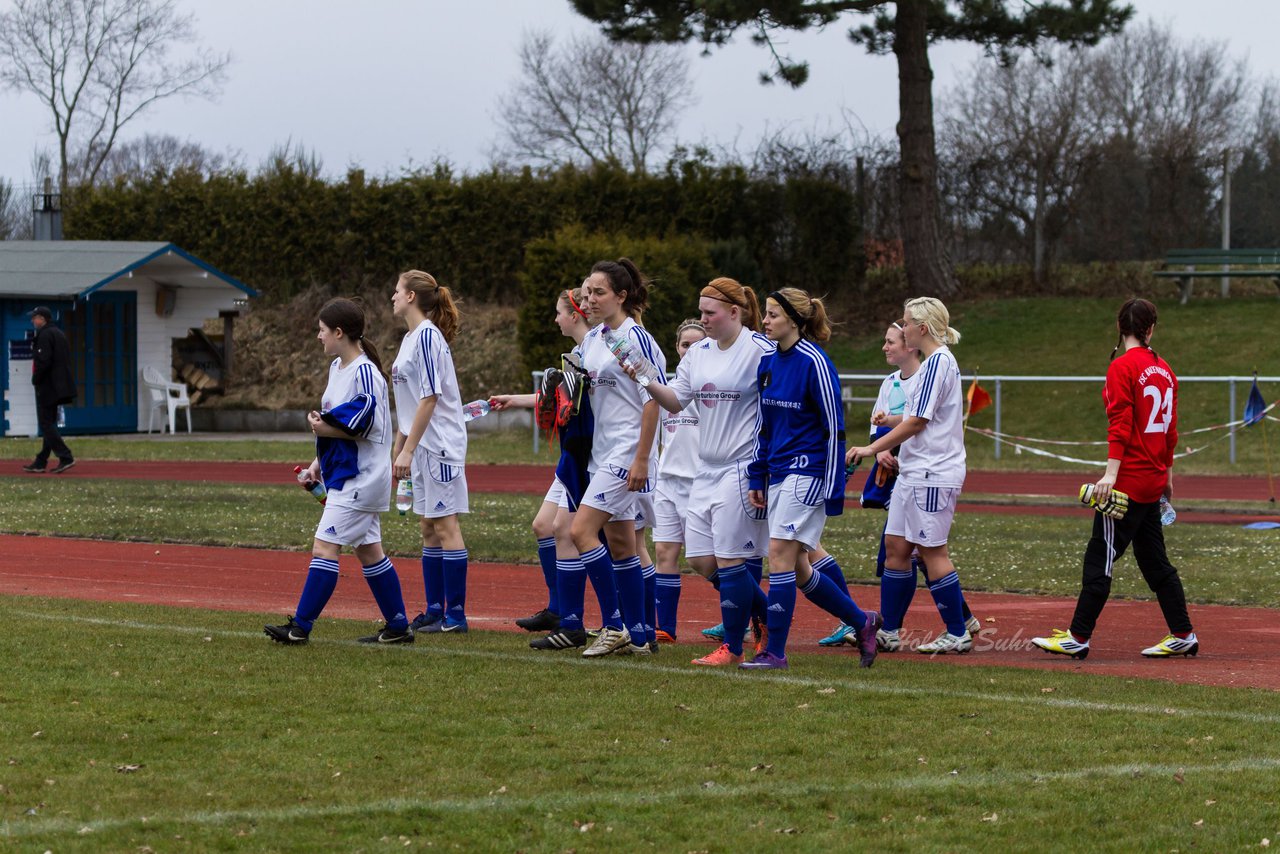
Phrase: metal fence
pixel 851 384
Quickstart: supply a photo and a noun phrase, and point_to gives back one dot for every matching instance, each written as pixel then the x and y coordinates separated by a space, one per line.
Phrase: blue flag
pixel 1255 407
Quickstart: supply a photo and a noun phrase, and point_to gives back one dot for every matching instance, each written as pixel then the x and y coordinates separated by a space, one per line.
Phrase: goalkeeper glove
pixel 1116 505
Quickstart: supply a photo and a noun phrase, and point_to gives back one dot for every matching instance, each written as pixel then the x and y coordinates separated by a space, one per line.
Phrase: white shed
pixel 122 304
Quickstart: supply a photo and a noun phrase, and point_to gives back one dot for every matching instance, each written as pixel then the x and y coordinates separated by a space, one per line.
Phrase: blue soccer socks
pixel 782 606
pixel 667 601
pixel 736 594
pixel 454 570
pixel 385 584
pixel 823 592
pixel 650 576
pixel 322 578
pixel 630 583
pixel 433 579
pixel 571 589
pixel 599 568
pixel 547 560
pixel 946 595
pixel 897 589
pixel 831 569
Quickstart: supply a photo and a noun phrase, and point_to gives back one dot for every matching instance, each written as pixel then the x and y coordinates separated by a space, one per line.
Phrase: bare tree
pixel 1020 142
pixel 160 154
pixel 97 64
pixel 12 211
pixel 593 101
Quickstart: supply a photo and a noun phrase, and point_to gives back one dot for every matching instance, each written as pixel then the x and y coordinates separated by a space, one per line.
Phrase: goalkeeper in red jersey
pixel 1141 396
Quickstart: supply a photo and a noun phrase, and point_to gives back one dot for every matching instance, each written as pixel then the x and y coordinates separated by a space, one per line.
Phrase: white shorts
pixel 720 521
pixel 347 526
pixel 556 495
pixel 439 487
pixel 922 514
pixel 790 518
pixel 671 508
pixel 608 491
pixel 644 510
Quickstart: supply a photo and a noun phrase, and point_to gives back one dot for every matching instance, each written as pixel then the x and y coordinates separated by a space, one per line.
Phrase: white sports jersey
pixel 891 401
pixel 357 468
pixel 678 435
pixel 935 455
pixel 617 400
pixel 424 367
pixel 724 384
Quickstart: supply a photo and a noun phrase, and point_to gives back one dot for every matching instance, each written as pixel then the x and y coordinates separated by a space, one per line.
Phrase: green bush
pixel 679 267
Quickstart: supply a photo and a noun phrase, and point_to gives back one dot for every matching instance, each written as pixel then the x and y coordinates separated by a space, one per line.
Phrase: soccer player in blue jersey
pixel 353 440
pixel 931 469
pixel 431 444
pixel 799 460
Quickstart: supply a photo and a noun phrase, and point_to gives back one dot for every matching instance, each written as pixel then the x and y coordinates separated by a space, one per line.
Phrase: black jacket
pixel 51 372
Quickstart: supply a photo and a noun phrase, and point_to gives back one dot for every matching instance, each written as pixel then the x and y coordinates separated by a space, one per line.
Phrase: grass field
pixel 188 730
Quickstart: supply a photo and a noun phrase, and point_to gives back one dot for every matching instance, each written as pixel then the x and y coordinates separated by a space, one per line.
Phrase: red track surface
pixel 1241 646
pixel 533 480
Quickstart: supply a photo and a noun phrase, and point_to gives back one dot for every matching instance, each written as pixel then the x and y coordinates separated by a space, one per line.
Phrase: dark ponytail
pixel 1137 317
pixel 348 315
pixel 623 276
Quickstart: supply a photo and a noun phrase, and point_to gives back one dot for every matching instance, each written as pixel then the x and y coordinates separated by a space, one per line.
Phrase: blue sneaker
pixel 423 623
pixel 715 633
pixel 450 625
pixel 765 661
pixel 844 633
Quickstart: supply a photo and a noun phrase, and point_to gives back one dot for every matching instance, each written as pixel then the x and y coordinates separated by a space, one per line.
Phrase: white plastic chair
pixel 165 395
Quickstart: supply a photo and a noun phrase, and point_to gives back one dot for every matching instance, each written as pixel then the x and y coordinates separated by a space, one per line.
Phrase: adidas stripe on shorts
pixel 347 526
pixel 797 510
pixel 720 521
pixel 922 514
pixel 439 487
pixel 644 510
pixel 608 491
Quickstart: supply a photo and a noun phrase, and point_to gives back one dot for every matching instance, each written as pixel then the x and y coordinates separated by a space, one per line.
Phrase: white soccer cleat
pixel 947 642
pixel 888 641
pixel 1173 645
pixel 609 641
pixel 972 626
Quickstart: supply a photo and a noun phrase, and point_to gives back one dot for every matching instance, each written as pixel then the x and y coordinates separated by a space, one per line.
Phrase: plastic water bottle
pixel 476 409
pixel 1167 514
pixel 404 495
pixel 315 487
pixel 625 353
pixel 897 399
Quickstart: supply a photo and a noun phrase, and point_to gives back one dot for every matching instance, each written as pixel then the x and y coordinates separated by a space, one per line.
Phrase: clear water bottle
pixel 625 353
pixel 404 495
pixel 315 487
pixel 476 409
pixel 897 399
pixel 1167 514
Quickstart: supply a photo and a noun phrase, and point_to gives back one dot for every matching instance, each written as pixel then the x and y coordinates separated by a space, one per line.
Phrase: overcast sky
pixel 386 84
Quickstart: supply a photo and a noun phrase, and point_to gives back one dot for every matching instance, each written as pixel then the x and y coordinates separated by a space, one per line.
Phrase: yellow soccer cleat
pixel 1063 643
pixel 1173 645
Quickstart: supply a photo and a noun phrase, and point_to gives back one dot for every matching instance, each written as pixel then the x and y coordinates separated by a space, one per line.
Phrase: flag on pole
pixel 977 398
pixel 1255 407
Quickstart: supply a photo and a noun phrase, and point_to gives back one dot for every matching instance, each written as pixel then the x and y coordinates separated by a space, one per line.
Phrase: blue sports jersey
pixel 801 423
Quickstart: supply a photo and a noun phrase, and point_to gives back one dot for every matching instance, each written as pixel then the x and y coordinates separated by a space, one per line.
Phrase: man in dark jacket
pixel 51 375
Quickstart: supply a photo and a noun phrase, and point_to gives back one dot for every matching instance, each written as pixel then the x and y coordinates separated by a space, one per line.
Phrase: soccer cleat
pixel 424 621
pixel 1173 645
pixel 843 632
pixel 452 626
pixel 289 633
pixel 543 621
pixel 664 637
pixel 867 645
pixel 563 639
pixel 610 641
pixel 888 641
pixel 720 658
pixel 762 637
pixel 636 649
pixel 387 635
pixel 34 468
pixel 765 661
pixel 1063 643
pixel 715 633
pixel 62 466
pixel 947 642
pixel 972 626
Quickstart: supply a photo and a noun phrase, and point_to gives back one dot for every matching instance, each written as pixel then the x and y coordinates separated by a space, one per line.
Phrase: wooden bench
pixel 1189 260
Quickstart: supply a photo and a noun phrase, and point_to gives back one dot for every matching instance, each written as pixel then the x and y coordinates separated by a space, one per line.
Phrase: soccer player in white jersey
pixel 723 531
pixel 677 468
pixel 431 444
pixel 623 455
pixel 353 440
pixel 931 469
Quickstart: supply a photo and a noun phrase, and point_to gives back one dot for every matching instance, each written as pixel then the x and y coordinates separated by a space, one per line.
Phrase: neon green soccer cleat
pixel 1173 645
pixel 1062 643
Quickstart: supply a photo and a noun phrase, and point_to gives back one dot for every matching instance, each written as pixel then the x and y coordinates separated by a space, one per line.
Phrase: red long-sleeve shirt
pixel 1141 396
